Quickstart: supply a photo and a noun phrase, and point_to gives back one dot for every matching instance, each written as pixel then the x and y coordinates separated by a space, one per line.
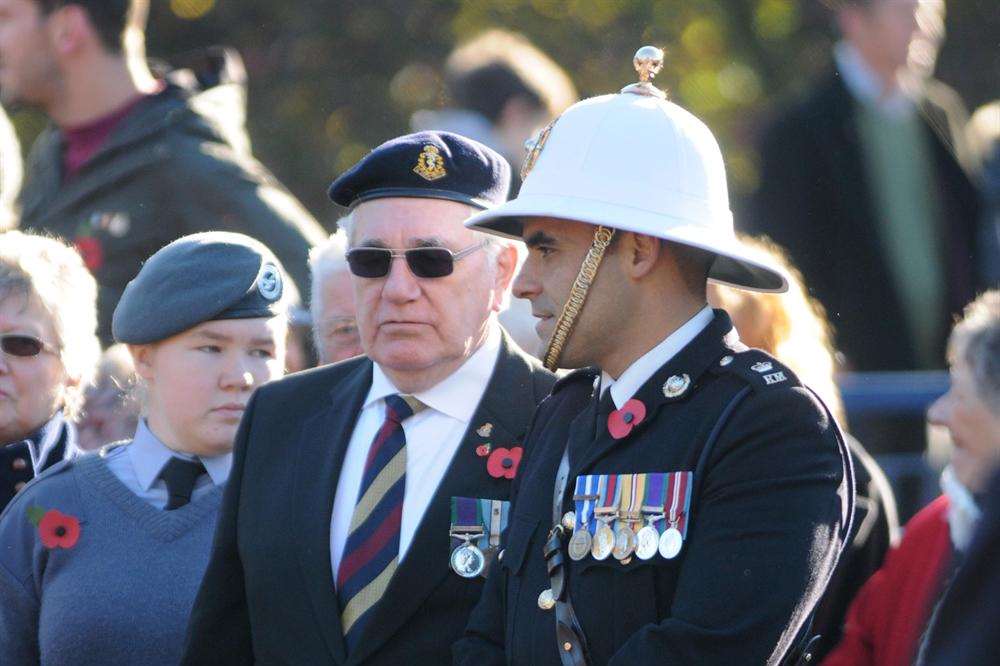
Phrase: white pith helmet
pixel 636 162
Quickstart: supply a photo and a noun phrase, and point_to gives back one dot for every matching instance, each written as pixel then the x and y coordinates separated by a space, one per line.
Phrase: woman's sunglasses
pixel 424 262
pixel 23 345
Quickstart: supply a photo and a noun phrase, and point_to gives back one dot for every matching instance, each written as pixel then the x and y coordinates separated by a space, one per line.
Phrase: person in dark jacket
pixel 131 161
pixel 684 501
pixel 10 172
pixel 867 181
pixel 48 355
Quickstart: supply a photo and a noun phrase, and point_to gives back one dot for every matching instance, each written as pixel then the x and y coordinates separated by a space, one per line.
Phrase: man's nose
pixel 401 285
pixel 526 284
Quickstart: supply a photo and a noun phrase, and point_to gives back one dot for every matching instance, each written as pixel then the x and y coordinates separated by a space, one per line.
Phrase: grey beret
pixel 197 278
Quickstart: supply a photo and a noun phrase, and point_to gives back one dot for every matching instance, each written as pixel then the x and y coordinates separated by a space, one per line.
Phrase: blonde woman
pixel 103 554
pixel 48 352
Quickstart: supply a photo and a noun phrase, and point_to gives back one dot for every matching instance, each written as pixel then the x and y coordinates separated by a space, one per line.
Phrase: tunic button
pixel 546 600
pixel 569 520
pixel 18 464
pixel 19 486
pixel 500 555
pixel 567 646
pixel 725 360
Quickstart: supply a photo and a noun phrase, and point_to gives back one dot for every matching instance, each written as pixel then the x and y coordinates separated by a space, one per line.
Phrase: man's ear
pixel 506 269
pixel 70 29
pixel 639 254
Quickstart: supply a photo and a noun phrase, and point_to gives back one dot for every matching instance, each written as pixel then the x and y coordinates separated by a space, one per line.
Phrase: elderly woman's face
pixel 974 428
pixel 31 387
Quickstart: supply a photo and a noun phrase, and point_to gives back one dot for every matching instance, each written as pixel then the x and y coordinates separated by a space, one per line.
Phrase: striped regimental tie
pixel 372 550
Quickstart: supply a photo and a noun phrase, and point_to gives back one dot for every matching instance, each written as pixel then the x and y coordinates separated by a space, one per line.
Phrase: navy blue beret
pixel 198 278
pixel 434 165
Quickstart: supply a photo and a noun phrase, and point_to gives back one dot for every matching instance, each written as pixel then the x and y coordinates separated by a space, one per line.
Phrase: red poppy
pixel 58 530
pixel 503 463
pixel 483 450
pixel 91 251
pixel 621 421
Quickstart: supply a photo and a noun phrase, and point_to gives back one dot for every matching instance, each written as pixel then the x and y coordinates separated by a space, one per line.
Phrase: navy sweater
pixel 116 590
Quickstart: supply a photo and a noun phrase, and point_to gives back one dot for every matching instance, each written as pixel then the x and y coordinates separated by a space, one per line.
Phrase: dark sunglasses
pixel 424 262
pixel 23 345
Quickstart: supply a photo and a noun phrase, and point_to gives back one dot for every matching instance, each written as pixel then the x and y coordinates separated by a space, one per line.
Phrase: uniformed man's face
pixel 556 250
pixel 973 426
pixel 422 329
pixel 198 382
pixel 336 321
pixel 28 70
pixel 32 388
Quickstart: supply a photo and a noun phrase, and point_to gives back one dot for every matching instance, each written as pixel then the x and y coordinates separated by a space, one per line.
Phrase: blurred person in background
pixel 888 621
pixel 867 182
pixel 103 555
pixel 334 317
pixel 132 161
pixel 984 139
pixel 793 328
pixel 10 172
pixel 502 90
pixel 109 414
pixel 48 353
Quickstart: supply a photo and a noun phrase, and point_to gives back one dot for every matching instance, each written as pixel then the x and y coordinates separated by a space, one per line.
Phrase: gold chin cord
pixel 577 296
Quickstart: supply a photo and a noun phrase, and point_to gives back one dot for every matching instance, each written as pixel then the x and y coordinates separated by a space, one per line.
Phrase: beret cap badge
pixel 430 164
pixel 269 282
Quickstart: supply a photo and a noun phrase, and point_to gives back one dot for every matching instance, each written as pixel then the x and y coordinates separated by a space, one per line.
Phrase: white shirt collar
pixel 453 396
pixel 866 87
pixel 148 456
pixel 646 365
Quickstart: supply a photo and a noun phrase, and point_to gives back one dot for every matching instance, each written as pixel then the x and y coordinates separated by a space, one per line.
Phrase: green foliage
pixel 330 79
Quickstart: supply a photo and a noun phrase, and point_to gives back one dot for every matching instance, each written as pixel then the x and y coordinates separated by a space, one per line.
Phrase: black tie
pixel 180 475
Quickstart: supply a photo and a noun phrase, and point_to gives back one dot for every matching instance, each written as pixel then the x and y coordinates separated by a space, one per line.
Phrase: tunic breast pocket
pixel 519 580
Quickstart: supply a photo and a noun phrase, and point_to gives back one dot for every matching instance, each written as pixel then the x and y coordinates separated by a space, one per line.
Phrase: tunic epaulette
pixel 587 375
pixel 758 369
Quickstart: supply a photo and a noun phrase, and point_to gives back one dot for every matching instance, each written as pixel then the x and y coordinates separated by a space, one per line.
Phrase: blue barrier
pixel 868 394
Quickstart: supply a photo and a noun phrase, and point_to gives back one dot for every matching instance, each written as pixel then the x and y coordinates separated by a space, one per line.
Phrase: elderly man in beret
pixel 685 498
pixel 368 497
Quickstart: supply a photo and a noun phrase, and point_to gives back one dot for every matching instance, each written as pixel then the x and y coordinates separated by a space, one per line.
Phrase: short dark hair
pixel 110 18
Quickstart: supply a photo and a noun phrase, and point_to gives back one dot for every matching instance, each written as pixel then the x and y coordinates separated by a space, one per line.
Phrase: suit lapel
pixel 693 360
pixel 508 403
pixel 322 445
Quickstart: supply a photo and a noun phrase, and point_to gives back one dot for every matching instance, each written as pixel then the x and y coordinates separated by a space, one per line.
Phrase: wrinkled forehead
pixel 409 222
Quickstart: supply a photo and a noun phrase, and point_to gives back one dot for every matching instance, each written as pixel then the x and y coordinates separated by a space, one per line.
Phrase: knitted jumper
pixel 120 592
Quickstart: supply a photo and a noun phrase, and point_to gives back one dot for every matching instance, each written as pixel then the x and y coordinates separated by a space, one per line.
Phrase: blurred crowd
pixel 878 195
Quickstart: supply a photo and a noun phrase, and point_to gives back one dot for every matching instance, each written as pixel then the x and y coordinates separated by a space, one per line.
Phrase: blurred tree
pixel 330 79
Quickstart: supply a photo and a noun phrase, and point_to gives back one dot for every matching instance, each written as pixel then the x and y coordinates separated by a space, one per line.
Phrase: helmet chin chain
pixel 577 296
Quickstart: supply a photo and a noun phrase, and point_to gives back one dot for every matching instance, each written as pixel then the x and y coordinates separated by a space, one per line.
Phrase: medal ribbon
pixel 626 483
pixel 653 500
pixel 495 512
pixel 679 496
pixel 466 516
pixel 584 500
pixel 609 491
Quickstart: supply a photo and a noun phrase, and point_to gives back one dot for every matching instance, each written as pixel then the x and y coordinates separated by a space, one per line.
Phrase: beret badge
pixel 430 164
pixel 269 282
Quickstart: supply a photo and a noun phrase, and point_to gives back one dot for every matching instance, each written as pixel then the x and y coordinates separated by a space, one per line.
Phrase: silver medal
pixel 604 542
pixel 624 542
pixel 647 542
pixel 671 542
pixel 580 544
pixel 468 561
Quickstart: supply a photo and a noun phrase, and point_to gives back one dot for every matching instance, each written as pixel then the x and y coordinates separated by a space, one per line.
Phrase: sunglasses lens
pixel 369 262
pixel 20 345
pixel 430 262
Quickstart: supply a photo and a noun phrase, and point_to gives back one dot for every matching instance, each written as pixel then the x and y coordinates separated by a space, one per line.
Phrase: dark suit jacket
pixel 766 525
pixel 15 463
pixel 816 201
pixel 269 595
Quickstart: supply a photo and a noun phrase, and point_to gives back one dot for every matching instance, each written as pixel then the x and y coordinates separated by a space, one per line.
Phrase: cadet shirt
pixel 432 437
pixel 138 466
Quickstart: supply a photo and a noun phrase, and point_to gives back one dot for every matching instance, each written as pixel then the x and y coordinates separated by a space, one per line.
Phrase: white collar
pixel 865 86
pixel 452 395
pixel 646 365
pixel 148 455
